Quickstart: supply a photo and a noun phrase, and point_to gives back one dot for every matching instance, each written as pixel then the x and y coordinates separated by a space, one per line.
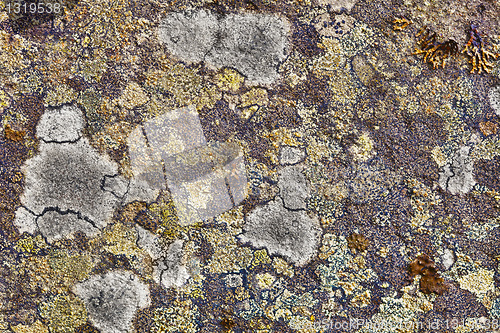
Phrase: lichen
pixel 64 313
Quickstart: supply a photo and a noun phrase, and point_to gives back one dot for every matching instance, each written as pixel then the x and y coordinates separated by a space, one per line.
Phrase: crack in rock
pixel 457 177
pixel 168 268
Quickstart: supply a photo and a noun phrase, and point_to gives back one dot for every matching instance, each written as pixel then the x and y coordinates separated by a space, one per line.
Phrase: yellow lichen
pixel 133 96
pixel 31 244
pixel 186 86
pixel 265 281
pixel 73 267
pixel 36 327
pixel 260 257
pixel 228 256
pixel 479 282
pixel 282 267
pixel 4 99
pixel 181 317
pixel 241 294
pixel 333 57
pixel 438 156
pixel 119 239
pixel 363 149
pixel 256 96
pixel 61 94
pixel 362 299
pixel 64 313
pixel 229 80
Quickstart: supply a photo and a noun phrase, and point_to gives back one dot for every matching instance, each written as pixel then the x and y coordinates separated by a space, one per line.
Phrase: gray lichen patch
pixel 292 234
pixel 117 185
pixel 291 155
pixel 25 220
pixel 63 124
pixel 69 176
pixel 293 186
pixel 170 270
pixel 189 35
pixel 494 98
pixel 457 176
pixel 338 5
pixel 168 267
pixel 254 44
pixel 113 299
pixel 149 242
pixel 64 189
pixel 55 225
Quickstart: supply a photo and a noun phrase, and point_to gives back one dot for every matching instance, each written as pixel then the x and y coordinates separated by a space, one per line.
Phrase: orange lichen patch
pixel 478 49
pixel 430 281
pixel 421 262
pixel 488 128
pixel 357 242
pixel 435 52
pixel 400 24
pixel 13 135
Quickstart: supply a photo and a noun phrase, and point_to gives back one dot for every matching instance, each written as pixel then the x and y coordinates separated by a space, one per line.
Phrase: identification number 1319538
pixel 33 8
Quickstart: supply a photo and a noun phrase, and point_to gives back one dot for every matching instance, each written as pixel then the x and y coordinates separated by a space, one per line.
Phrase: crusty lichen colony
pixel 250 166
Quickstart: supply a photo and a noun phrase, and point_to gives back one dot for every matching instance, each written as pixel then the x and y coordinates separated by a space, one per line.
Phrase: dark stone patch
pixel 110 261
pixel 305 279
pixel 19 296
pixel 76 83
pixel 161 298
pixel 144 322
pixel 204 248
pixel 393 267
pixel 220 122
pixel 312 91
pixel 81 241
pixel 487 173
pixel 457 304
pixel 405 144
pixel 379 13
pixel 305 40
pixel 282 116
pixel 32 108
pixel 30 15
pixel 472 208
pixel 111 84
